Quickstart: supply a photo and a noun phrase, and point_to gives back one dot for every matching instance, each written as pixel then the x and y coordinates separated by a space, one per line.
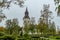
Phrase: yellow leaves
pixel 40 25
pixel 2 29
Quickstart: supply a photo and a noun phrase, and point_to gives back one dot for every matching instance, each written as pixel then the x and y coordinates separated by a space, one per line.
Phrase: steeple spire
pixel 26 9
pixel 26 14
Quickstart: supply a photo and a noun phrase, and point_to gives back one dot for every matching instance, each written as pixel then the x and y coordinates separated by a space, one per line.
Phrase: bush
pixel 1 34
pixel 9 37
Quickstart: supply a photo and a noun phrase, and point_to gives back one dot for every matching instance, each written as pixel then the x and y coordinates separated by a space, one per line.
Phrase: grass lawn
pixel 54 37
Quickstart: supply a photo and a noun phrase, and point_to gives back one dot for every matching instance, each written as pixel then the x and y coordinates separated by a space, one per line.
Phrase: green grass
pixel 54 37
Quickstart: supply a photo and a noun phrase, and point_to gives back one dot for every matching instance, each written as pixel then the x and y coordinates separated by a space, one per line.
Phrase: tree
pixel 57 7
pixel 59 32
pixel 15 31
pixel 52 29
pixel 12 26
pixel 43 26
pixel 2 29
pixel 46 13
pixel 8 26
pixel 32 21
pixel 2 16
pixel 32 27
pixel 6 4
pixel 40 24
pixel 57 1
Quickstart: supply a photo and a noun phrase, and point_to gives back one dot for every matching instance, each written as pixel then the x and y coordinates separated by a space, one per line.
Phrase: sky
pixel 34 8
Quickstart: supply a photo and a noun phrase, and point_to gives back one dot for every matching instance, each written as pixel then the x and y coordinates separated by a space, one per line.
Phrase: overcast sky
pixel 34 8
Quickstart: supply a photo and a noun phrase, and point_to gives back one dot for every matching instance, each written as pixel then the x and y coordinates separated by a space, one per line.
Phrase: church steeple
pixel 26 20
pixel 26 14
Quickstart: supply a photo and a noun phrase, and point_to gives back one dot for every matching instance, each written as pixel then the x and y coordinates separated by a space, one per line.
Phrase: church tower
pixel 26 15
pixel 26 19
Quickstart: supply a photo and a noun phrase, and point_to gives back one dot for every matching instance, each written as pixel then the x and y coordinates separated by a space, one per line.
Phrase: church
pixel 26 20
